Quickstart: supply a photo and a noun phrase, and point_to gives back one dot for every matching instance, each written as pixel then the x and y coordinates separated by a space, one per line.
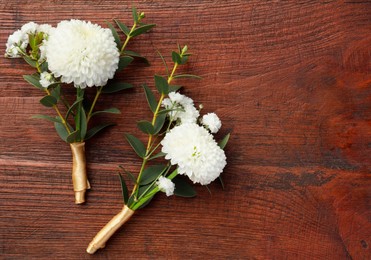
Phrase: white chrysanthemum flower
pixel 82 53
pixel 46 79
pixel 166 185
pixel 195 151
pixel 182 106
pixel 16 44
pixel 212 122
pixel 29 28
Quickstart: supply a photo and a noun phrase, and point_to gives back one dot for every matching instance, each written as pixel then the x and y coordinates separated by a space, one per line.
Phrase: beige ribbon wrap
pixel 100 239
pixel 79 177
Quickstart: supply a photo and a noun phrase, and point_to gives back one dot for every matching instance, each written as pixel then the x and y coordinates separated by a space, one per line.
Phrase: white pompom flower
pixel 212 122
pixel 183 109
pixel 16 44
pixel 166 185
pixel 82 53
pixel 195 151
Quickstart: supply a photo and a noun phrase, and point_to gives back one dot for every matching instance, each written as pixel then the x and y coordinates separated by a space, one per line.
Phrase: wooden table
pixel 290 81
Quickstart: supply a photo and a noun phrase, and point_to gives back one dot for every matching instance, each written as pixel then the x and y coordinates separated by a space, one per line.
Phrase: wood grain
pixel 290 80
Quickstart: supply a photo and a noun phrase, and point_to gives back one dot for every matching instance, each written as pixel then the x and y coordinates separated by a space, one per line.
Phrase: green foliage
pixel 30 61
pixel 115 35
pixel 183 188
pixel 159 123
pixel 142 29
pixel 146 127
pixel 34 80
pixel 136 55
pixel 122 27
pixel 48 101
pixel 124 62
pixel 61 130
pixel 73 137
pixel 151 174
pixel 49 118
pixel 115 87
pixel 162 85
pixel 124 189
pixel 152 103
pixel 96 129
pixel 136 144
pixel 111 110
pixel 224 141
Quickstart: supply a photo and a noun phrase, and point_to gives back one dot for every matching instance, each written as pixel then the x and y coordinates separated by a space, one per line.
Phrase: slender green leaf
pixel 49 118
pixel 152 103
pixel 174 88
pixel 221 181
pixel 184 59
pixel 224 141
pixel 142 29
pixel 135 14
pixel 162 85
pixel 160 154
pixel 69 111
pixel 136 55
pixel 208 189
pixel 176 57
pixel 115 35
pixel 159 123
pixel 30 61
pixel 151 173
pixel 32 41
pixel 115 87
pixel 164 62
pixel 111 110
pixel 72 137
pixel 124 62
pixel 83 123
pixel 124 189
pixel 96 129
pixel 186 76
pixel 131 176
pixel 44 66
pixel 48 101
pixel 56 91
pixel 148 200
pixel 34 80
pixel 122 27
pixel 61 130
pixel 146 127
pixel 137 145
pixel 183 188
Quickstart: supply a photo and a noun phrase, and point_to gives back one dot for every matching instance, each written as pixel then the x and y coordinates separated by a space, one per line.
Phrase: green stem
pixel 99 91
pixel 128 38
pixel 79 95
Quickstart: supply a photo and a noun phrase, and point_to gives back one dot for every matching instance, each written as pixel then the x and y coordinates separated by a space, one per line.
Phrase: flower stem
pixel 128 38
pixel 99 91
pixel 64 123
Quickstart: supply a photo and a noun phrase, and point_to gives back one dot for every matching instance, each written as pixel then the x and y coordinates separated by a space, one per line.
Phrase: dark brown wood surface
pixel 290 80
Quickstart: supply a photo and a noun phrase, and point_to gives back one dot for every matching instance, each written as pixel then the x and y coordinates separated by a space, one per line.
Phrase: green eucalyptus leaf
pixel 221 181
pixel 124 189
pixel 136 144
pixel 150 98
pixel 111 110
pixel 151 173
pixel 164 62
pixel 183 188
pixel 72 137
pixel 143 190
pixel 122 27
pixel 174 88
pixel 30 62
pixel 176 57
pixel 131 176
pixel 48 101
pixel 44 66
pixel 142 29
pixel 124 62
pixel 159 123
pixel 158 155
pixel 146 127
pixel 115 87
pixel 74 105
pixel 34 80
pixel 136 55
pixel 135 14
pixel 162 85
pixel 115 35
pixel 186 76
pixel 184 59
pixel 224 141
pixel 83 123
pixel 96 129
pixel 49 118
pixel 61 130
pixel 56 91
